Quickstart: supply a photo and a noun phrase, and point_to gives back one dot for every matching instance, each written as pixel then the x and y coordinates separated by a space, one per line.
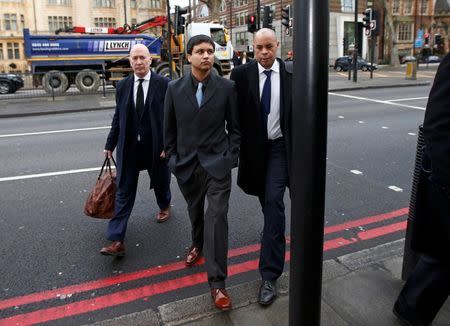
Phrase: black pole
pixel 355 52
pixel 125 11
pixel 308 163
pixel 169 44
pixel 258 14
pixel 372 53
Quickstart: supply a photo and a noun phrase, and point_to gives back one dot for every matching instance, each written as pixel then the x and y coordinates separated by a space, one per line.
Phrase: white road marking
pixel 356 172
pixel 48 174
pixel 53 132
pixel 411 134
pixel 409 99
pixel 361 121
pixel 377 101
pixel 340 116
pixel 384 127
pixel 395 188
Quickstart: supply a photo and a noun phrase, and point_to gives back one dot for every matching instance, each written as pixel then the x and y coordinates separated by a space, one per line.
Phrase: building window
pixel 10 22
pixel 104 3
pixel 22 21
pixel 424 7
pixel 133 22
pixel 241 38
pixel 240 18
pixel 396 7
pixel 59 2
pixel 407 10
pixel 133 4
pixel 151 4
pixel 1 51
pixel 104 22
pixel 347 5
pixel 404 32
pixel 13 51
pixel 223 6
pixel 56 22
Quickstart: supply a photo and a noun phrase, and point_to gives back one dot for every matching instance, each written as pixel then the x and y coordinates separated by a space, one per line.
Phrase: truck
pixel 85 55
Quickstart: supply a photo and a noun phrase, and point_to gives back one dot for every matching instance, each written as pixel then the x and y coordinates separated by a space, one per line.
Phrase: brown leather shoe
pixel 221 299
pixel 193 255
pixel 116 248
pixel 163 215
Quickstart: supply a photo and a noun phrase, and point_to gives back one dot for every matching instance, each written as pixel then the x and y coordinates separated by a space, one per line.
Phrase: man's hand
pixel 107 153
pixel 163 154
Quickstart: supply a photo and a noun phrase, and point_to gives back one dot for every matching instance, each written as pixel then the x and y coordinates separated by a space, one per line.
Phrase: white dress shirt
pixel 273 120
pixel 145 84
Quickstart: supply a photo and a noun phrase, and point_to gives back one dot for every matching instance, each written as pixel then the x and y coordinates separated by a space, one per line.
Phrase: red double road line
pixel 126 296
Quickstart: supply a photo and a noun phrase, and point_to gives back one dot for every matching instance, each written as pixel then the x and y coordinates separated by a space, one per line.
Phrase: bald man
pixel 264 100
pixel 137 133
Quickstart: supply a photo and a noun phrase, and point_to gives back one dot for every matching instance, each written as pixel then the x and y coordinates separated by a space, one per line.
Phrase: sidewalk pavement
pixel 358 289
pixel 17 107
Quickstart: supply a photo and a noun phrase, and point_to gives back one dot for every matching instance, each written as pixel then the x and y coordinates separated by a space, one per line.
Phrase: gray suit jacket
pixel 207 135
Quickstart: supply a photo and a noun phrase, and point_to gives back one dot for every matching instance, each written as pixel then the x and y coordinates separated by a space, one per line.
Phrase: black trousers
pixel 210 227
pixel 426 290
pixel 273 242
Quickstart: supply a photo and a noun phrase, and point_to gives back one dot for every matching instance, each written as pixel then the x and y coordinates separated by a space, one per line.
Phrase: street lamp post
pixel 231 20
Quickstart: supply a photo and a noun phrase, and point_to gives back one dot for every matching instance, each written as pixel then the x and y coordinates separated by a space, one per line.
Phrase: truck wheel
pixel 5 88
pixel 165 72
pixel 87 80
pixel 55 80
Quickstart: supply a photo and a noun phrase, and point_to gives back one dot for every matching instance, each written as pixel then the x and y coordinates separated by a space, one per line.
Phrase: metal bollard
pixel 411 70
pixel 410 257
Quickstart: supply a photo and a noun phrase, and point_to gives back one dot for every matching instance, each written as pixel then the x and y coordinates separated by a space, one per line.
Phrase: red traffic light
pixel 252 19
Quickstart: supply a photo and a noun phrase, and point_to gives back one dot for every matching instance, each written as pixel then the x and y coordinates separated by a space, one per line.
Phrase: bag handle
pixel 107 163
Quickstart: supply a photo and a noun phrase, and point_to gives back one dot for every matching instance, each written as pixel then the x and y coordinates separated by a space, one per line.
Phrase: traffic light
pixel 437 39
pixel 268 17
pixel 367 18
pixel 179 20
pixel 426 39
pixel 285 16
pixel 251 23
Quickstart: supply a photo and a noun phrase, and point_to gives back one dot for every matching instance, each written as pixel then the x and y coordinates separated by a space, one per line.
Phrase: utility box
pixel 411 70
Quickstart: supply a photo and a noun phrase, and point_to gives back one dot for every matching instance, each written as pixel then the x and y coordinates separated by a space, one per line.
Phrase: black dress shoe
pixel 267 293
pixel 406 317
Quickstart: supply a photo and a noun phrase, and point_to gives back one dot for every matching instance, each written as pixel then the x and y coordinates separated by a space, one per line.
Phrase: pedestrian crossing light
pixel 367 18
pixel 179 20
pixel 268 17
pixel 285 16
pixel 251 23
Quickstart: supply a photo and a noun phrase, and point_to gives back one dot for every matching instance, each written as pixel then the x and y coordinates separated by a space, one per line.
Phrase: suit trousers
pixel 210 227
pixel 426 290
pixel 126 195
pixel 273 242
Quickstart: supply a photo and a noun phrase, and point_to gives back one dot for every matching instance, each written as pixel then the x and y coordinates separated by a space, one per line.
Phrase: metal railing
pixel 56 84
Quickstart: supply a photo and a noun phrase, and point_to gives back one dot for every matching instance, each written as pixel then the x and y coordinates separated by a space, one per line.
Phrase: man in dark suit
pixel 137 132
pixel 428 286
pixel 201 140
pixel 264 99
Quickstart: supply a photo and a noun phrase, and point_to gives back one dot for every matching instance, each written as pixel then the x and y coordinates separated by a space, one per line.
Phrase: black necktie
pixel 140 99
pixel 265 99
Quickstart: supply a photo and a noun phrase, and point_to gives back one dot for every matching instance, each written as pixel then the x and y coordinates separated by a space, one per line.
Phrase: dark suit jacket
pixel 195 135
pixel 123 133
pixel 432 228
pixel 252 160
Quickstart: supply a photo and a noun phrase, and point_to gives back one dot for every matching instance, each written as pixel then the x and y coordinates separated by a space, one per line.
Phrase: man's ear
pixel 188 57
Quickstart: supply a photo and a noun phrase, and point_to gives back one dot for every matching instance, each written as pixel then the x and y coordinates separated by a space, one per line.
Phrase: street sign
pixel 418 43
pixel 420 33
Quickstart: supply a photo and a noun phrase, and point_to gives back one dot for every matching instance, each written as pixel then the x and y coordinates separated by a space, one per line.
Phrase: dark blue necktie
pixel 140 99
pixel 265 98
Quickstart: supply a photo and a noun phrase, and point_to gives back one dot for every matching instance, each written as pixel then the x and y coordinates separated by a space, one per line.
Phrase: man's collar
pixel 275 67
pixel 146 77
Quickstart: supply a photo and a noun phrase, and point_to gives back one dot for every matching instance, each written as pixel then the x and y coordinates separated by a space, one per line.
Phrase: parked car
pixel 10 83
pixel 432 59
pixel 408 58
pixel 342 64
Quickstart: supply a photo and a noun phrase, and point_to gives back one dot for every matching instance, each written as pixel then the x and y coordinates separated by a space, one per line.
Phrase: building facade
pixel 46 16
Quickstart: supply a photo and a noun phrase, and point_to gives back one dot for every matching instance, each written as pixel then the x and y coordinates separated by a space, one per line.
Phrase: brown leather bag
pixel 100 202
